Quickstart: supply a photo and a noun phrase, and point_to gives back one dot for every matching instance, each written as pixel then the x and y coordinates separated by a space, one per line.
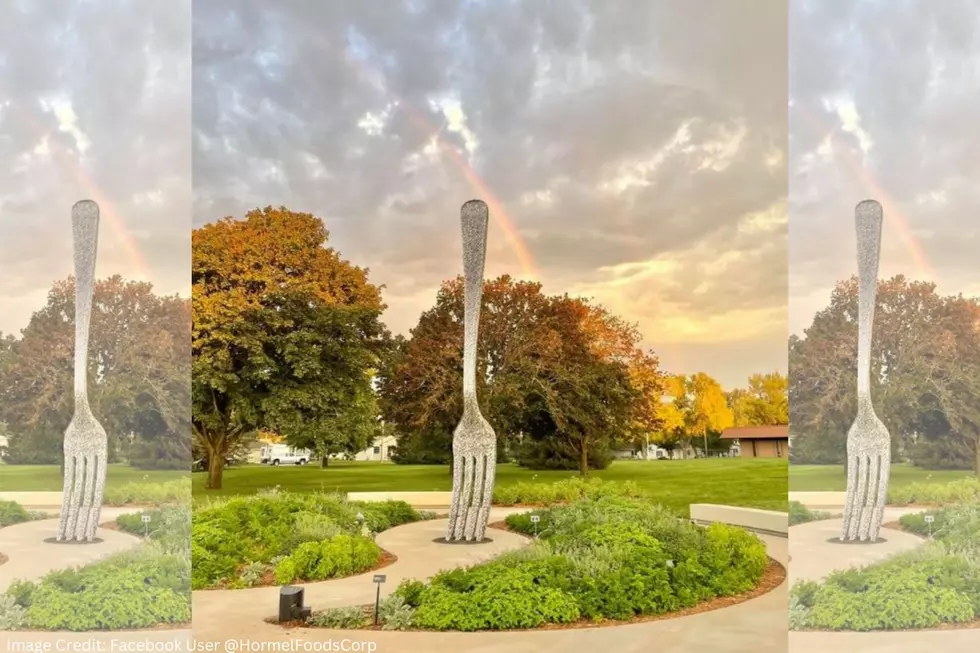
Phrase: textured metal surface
pixel 474 441
pixel 86 443
pixel 868 441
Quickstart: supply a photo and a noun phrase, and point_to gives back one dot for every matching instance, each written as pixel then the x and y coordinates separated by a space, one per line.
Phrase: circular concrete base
pixel 837 540
pixel 817 550
pixel 442 540
pixel 55 540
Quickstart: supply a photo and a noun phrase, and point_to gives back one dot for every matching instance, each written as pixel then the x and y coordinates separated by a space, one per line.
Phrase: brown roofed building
pixel 760 441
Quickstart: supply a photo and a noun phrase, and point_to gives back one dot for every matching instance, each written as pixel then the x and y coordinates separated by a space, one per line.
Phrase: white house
pixel 380 450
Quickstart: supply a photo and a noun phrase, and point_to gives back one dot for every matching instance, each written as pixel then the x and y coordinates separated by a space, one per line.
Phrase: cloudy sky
pixel 637 156
pixel 884 104
pixel 94 103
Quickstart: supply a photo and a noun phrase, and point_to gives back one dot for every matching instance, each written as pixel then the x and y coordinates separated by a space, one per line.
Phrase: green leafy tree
pixel 139 375
pixel 285 332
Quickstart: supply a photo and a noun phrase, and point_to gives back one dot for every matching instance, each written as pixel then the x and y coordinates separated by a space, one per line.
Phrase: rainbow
pixel 498 211
pixel 895 218
pixel 66 163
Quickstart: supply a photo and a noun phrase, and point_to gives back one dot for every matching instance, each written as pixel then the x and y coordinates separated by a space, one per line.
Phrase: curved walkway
pixel 31 558
pixel 758 625
pixel 813 557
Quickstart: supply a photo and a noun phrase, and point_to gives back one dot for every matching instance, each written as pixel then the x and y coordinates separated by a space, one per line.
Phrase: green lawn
pixel 675 483
pixel 47 478
pixel 831 478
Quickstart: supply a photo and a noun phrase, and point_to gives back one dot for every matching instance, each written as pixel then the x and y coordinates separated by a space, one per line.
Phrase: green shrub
pixel 395 613
pixel 227 535
pixel 922 589
pixel 342 555
pixel 350 617
pixel 150 494
pixel 133 589
pixel 22 591
pixel 12 615
pixel 602 558
pixel 507 598
pixel 565 491
pixel 800 514
pixel 965 490
pixel 410 591
pixel 12 513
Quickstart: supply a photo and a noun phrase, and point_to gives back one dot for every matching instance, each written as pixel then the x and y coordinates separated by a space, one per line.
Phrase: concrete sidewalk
pixel 30 557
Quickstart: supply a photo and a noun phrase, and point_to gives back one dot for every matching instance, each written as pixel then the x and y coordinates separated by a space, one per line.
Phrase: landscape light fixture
pixel 291 604
pixel 379 579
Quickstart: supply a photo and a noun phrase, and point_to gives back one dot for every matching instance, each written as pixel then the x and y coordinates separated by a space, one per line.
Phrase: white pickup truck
pixel 282 454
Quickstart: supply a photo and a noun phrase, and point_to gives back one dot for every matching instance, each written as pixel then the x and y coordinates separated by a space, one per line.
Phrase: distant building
pixel 4 444
pixel 380 450
pixel 760 441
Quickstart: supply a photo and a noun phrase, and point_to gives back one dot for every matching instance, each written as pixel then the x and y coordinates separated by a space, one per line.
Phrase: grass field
pixel 831 478
pixel 47 478
pixel 675 483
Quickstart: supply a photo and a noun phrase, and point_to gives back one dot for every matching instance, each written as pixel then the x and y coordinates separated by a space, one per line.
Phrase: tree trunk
pixel 324 461
pixel 976 466
pixel 216 466
pixel 583 461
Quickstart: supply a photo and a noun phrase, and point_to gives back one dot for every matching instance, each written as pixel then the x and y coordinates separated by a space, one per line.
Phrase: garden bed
pixel 147 588
pixel 596 562
pixel 936 586
pixel 281 538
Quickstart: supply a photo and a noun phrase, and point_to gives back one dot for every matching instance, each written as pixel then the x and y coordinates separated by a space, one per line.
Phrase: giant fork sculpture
pixel 474 441
pixel 85 440
pixel 868 441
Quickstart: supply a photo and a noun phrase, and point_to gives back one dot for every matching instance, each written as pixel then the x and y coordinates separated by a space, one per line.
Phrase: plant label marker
pixel 534 520
pixel 378 580
pixel 146 525
pixel 929 520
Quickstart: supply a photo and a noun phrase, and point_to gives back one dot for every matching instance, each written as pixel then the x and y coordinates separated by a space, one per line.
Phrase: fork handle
pixel 85 232
pixel 474 217
pixel 868 220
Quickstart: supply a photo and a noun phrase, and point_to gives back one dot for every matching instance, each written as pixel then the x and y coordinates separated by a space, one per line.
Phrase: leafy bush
pixel 565 491
pixel 965 490
pixel 410 591
pixel 351 617
pixel 149 494
pixel 395 613
pixel 800 514
pixel 169 527
pixel 956 526
pixel 133 589
pixel 599 559
pixel 12 513
pixel 342 555
pixel 922 589
pixel 12 615
pixel 273 528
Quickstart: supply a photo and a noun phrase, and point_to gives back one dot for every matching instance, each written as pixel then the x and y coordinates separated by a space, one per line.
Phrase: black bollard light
pixel 291 604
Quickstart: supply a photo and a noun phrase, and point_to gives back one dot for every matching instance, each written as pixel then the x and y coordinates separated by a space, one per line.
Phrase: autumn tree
pixel 139 376
pixel 924 367
pixel 764 403
pixel 553 375
pixel 285 333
